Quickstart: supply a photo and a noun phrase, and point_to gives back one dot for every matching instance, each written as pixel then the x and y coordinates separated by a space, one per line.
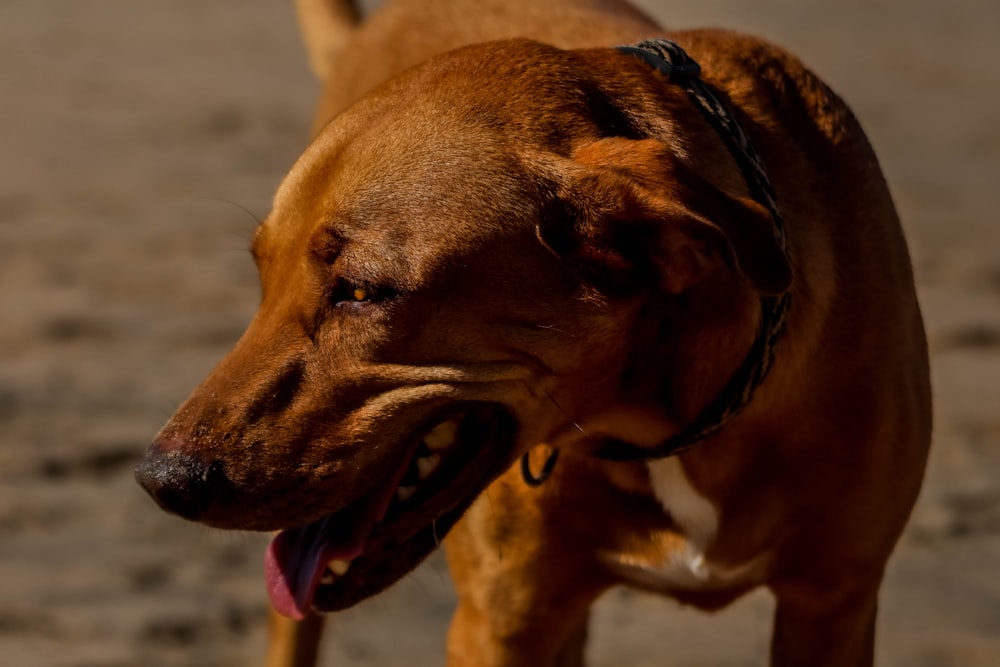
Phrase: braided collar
pixel 670 59
pixel 667 57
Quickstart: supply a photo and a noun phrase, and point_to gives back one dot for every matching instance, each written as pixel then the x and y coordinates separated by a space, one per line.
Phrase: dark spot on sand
pixel 98 464
pixel 71 328
pixel 225 122
pixel 179 630
pixel 974 513
pixel 9 402
pixel 175 631
pixel 21 624
pixel 149 578
pixel 991 280
pixel 239 621
pixel 972 336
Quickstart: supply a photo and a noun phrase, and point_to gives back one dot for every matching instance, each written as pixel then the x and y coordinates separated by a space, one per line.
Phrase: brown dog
pixel 513 251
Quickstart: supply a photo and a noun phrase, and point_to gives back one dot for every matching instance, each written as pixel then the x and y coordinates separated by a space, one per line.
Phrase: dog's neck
pixel 697 343
pixel 720 350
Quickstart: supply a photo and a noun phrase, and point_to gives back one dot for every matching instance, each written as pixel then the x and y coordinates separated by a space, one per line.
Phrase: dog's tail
pixel 326 26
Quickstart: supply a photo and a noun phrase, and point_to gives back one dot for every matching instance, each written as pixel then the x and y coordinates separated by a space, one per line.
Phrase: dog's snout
pixel 180 483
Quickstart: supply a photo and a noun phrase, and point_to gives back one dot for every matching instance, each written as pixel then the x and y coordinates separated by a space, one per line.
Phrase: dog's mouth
pixel 358 551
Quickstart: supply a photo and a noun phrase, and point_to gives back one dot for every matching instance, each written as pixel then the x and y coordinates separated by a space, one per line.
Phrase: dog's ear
pixel 629 212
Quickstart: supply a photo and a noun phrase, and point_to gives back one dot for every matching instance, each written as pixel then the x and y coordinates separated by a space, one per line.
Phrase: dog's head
pixel 456 270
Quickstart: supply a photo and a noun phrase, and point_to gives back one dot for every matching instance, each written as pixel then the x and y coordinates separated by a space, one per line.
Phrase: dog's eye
pixel 348 293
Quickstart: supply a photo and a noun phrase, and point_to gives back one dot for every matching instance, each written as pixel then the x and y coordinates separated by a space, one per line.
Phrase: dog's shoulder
pixel 773 86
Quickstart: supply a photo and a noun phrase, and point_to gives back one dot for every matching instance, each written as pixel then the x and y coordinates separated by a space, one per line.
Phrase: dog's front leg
pixel 825 626
pixel 293 643
pixel 472 642
pixel 524 588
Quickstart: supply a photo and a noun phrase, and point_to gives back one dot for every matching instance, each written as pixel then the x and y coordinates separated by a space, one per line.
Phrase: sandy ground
pixel 132 136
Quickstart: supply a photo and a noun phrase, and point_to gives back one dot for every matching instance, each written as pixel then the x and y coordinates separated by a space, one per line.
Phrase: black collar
pixel 671 60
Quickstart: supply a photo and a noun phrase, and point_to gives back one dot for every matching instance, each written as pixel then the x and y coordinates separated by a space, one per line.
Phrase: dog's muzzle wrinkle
pixel 277 394
pixel 180 483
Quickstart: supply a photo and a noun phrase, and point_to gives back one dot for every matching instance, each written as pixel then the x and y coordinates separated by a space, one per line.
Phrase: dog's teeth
pixel 328 578
pixel 339 567
pixel 443 435
pixel 427 464
pixel 404 492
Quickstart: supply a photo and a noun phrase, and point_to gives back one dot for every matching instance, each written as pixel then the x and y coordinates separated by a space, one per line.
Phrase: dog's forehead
pixel 394 181
pixel 442 153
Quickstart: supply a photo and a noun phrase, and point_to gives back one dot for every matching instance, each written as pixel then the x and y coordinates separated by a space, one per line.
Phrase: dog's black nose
pixel 178 482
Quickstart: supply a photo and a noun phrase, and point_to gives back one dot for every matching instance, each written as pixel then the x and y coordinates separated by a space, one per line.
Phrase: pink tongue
pixel 296 560
pixel 297 557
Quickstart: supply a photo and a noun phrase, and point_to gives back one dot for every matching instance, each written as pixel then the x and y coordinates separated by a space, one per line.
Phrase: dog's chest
pixel 681 562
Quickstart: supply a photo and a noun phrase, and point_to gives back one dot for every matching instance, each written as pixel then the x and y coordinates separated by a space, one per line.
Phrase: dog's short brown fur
pixel 554 248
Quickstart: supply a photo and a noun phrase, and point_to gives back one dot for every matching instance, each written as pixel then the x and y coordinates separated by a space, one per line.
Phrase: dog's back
pixel 353 56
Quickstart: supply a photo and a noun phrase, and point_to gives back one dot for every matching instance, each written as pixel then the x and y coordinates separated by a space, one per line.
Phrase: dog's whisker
pixel 550 327
pixel 240 251
pixel 257 221
pixel 565 414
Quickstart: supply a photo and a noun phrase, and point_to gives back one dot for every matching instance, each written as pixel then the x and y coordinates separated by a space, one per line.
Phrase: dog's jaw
pixel 383 536
pixel 298 559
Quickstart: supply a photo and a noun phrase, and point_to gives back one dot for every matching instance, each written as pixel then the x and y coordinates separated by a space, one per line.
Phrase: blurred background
pixel 139 141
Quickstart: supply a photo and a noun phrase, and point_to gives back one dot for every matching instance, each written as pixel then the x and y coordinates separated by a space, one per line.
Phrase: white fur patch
pixel 694 515
pixel 685 567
